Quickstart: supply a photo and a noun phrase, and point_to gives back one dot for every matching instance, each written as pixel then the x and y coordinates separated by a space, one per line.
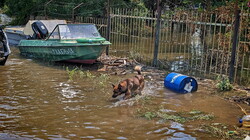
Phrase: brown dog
pixel 131 86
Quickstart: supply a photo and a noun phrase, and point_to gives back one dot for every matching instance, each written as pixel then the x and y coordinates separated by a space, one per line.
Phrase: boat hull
pixel 14 38
pixel 14 35
pixel 62 50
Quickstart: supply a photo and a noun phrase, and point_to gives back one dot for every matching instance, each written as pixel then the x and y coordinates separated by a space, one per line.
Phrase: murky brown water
pixel 37 101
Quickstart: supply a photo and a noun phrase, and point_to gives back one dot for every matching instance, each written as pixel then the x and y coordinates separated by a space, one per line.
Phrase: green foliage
pixel 81 74
pixel 176 118
pixel 190 4
pixel 22 9
pixel 71 73
pixel 223 83
pixel 194 112
pixel 77 73
pixel 89 74
pixel 202 117
pixel 149 115
pixel 217 131
pixel 103 79
pixel 223 131
pixel 63 9
pixel 127 4
pixel 2 3
pixel 180 117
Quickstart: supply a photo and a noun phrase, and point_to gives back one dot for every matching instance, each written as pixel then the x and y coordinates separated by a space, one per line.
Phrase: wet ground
pixel 38 101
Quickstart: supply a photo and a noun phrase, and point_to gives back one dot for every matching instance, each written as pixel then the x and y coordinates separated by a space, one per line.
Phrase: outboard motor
pixel 4 47
pixel 40 30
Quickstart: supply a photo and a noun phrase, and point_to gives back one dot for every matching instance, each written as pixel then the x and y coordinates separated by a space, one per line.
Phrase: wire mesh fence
pixel 242 67
pixel 190 42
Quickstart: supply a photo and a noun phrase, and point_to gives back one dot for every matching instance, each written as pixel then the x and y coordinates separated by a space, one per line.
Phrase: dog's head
pixel 119 89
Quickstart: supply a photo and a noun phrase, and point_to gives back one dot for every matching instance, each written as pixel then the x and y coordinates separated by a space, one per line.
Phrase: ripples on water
pixel 38 102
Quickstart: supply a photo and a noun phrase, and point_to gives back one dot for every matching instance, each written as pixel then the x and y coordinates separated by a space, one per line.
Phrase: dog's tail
pixel 138 69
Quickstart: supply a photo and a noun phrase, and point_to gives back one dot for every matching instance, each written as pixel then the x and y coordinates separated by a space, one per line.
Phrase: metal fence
pixel 190 42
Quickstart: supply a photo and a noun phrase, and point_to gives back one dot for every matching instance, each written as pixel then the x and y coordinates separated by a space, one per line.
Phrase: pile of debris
pixel 122 66
pixel 117 65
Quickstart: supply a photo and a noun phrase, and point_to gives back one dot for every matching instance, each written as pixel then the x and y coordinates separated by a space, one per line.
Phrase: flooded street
pixel 38 101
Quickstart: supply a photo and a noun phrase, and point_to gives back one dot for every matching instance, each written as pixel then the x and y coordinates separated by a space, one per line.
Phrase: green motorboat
pixel 77 43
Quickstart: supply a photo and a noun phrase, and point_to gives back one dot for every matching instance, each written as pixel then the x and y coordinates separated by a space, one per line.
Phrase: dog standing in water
pixel 131 86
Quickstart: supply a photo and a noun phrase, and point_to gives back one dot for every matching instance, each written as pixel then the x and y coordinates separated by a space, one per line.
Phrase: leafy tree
pixel 124 3
pixel 2 3
pixel 188 4
pixel 22 9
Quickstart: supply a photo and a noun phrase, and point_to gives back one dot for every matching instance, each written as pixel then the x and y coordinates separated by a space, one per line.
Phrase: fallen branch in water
pixel 243 110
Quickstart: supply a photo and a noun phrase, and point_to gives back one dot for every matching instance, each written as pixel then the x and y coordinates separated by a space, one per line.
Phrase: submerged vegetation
pixel 169 115
pixel 71 73
pixel 224 132
pixel 78 74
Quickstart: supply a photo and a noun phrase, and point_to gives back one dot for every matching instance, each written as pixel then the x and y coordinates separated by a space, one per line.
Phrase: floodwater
pixel 37 101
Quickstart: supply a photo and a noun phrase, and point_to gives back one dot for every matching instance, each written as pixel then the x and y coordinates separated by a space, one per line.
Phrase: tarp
pixel 50 25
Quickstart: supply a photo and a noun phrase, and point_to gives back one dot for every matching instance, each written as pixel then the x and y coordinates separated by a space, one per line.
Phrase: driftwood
pixel 114 64
pixel 121 66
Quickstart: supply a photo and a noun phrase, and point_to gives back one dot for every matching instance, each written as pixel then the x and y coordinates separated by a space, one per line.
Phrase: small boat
pixel 77 43
pixel 14 34
pixel 17 33
pixel 4 47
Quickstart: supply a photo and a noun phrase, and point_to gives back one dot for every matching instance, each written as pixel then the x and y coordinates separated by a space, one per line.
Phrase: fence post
pixel 234 46
pixel 73 11
pixel 108 27
pixel 157 34
pixel 45 9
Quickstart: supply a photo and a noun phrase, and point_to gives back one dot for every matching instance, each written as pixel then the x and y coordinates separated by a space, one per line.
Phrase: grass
pixel 222 131
pixel 167 116
pixel 103 78
pixel 71 73
pixel 180 117
pixel 149 115
pixel 218 131
pixel 78 74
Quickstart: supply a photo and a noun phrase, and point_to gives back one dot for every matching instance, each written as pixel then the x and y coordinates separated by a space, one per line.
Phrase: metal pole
pixel 45 8
pixel 157 34
pixel 73 11
pixel 235 42
pixel 108 26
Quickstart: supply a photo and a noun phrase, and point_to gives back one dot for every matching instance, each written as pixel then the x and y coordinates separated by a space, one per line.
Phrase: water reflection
pixel 179 64
pixel 181 136
pixel 67 90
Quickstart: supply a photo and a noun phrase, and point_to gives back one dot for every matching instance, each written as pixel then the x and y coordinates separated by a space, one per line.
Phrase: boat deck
pixel 16 29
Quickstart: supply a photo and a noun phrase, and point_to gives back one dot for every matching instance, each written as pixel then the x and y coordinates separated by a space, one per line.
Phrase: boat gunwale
pixel 103 45
pixel 69 44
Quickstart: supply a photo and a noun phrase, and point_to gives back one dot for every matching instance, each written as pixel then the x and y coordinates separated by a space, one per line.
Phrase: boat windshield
pixel 74 31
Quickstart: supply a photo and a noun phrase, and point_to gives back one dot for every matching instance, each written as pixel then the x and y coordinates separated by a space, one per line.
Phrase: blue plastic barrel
pixel 180 83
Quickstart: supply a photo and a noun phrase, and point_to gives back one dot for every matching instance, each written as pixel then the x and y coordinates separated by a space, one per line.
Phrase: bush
pixel 223 83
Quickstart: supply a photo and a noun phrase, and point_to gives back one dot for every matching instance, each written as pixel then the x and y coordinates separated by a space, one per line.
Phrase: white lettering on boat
pixel 62 51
